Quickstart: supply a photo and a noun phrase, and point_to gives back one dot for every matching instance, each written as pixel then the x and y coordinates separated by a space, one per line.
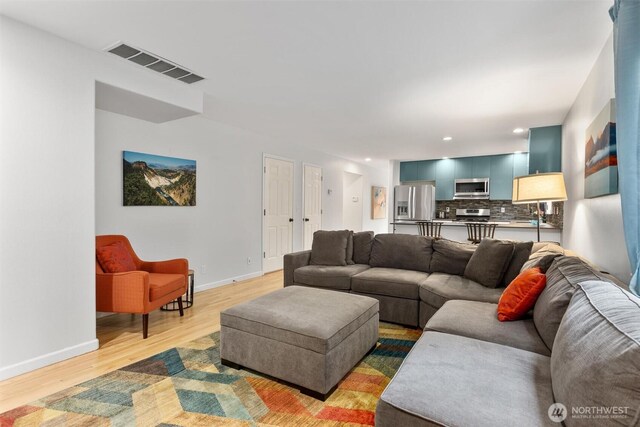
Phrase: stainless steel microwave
pixel 473 188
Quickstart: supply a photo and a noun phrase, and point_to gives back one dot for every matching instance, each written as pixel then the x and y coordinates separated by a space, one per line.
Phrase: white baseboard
pixel 47 359
pixel 100 314
pixel 211 285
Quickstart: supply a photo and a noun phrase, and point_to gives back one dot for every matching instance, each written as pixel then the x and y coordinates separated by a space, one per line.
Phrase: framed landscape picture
pixel 378 202
pixel 601 154
pixel 151 180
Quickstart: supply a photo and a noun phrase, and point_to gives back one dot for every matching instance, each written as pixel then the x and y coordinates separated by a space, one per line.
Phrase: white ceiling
pixel 383 79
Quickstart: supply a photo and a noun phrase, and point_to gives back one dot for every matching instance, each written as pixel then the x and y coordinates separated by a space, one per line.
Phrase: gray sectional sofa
pixel 411 276
pixel 580 349
pixel 574 360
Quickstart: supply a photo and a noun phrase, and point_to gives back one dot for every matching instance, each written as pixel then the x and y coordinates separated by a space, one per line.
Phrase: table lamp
pixel 540 187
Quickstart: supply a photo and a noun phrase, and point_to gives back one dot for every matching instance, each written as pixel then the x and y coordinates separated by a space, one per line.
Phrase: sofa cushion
pixel 450 257
pixel 596 354
pixel 489 262
pixel 362 246
pixel 389 281
pixel 543 257
pixel 329 247
pixel 521 253
pixel 449 380
pixel 562 280
pixel 350 249
pixel 402 251
pixel 473 319
pixel 327 276
pixel 163 284
pixel 521 295
pixel 440 288
pixel 115 258
pixel 541 245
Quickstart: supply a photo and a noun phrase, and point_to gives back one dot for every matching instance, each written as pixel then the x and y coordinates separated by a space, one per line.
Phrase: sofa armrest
pixel 292 262
pixel 122 292
pixel 172 266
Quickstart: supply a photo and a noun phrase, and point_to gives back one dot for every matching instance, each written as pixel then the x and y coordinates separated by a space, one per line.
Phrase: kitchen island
pixel 513 230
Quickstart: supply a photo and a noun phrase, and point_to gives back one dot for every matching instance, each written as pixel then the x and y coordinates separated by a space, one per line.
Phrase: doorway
pixel 277 204
pixel 352 201
pixel 312 203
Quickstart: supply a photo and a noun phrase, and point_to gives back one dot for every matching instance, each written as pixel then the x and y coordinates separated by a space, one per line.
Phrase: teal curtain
pixel 626 44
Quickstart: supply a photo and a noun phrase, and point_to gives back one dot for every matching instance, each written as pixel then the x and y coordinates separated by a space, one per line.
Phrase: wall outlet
pixel 502 210
pixel 447 209
pixel 203 269
pixel 248 260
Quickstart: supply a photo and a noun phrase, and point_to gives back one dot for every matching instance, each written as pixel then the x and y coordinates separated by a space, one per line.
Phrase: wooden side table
pixel 187 299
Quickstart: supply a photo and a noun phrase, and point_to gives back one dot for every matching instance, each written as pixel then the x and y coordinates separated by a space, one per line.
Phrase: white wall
pixel 47 213
pixel 225 227
pixel 592 227
pixel 352 207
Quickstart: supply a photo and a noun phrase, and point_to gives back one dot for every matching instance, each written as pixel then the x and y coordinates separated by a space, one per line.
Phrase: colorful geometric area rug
pixel 187 386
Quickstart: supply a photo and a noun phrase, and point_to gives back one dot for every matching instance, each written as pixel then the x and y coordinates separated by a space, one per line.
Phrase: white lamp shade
pixel 541 187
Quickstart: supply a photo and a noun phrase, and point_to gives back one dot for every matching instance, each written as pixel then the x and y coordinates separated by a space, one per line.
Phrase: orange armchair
pixel 151 286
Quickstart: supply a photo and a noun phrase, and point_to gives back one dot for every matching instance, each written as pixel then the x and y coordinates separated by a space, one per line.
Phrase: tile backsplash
pixel 511 212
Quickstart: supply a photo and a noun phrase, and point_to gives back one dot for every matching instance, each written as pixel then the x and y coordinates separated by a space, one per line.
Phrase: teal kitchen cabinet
pixel 501 177
pixel 481 167
pixel 408 171
pixel 445 172
pixel 545 149
pixel 426 170
pixel 520 164
pixel 463 167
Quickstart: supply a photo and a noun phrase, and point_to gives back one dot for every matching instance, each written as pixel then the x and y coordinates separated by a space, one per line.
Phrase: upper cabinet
pixel 481 167
pixel 501 177
pixel 408 171
pixel 426 170
pixel 500 170
pixel 472 167
pixel 445 172
pixel 545 149
pixel 463 168
pixel 520 164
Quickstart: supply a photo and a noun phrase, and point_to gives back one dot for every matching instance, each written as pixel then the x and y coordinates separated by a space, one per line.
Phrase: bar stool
pixel 429 228
pixel 478 231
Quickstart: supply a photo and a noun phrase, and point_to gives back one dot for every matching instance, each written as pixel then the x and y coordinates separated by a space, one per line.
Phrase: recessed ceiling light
pixel 518 130
pixel 368 159
pixel 444 158
pixel 447 138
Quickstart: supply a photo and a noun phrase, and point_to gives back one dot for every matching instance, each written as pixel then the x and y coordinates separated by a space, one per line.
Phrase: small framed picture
pixel 378 202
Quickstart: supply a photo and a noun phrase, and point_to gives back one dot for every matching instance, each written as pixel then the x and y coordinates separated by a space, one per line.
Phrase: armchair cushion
pixel 115 258
pixel 164 284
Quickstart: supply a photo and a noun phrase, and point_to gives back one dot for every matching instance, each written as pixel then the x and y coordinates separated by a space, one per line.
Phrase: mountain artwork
pixel 601 155
pixel 151 180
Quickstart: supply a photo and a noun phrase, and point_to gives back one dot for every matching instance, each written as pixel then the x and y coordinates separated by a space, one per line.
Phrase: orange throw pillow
pixel 115 258
pixel 521 294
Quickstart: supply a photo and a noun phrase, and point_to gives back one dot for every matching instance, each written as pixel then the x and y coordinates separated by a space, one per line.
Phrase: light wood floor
pixel 121 342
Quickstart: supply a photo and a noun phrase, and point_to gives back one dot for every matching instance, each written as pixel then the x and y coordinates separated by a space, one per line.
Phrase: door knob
pixel 306 220
pixel 290 219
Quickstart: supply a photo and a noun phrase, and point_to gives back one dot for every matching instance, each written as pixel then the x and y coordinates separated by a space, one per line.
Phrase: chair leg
pixel 180 307
pixel 145 325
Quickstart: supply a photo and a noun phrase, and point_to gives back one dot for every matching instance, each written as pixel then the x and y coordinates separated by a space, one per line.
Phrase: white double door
pixel 312 195
pixel 278 217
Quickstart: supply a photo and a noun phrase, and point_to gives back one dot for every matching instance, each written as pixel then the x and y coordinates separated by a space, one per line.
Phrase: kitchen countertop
pixel 500 224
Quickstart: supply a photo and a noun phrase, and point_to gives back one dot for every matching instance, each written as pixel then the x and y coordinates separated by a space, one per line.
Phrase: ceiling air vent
pixel 154 62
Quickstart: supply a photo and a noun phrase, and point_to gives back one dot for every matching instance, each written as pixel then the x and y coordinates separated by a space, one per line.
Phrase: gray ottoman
pixel 305 336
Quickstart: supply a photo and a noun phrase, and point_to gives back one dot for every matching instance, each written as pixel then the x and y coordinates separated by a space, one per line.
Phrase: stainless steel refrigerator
pixel 414 202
